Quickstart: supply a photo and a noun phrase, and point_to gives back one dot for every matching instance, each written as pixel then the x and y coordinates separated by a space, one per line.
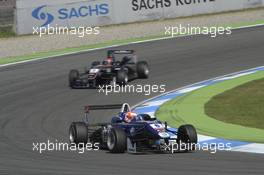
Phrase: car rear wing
pixel 87 109
pixel 111 52
pixel 124 108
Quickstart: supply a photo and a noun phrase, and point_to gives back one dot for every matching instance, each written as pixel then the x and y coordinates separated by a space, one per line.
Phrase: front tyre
pixel 116 140
pixel 187 135
pixel 121 78
pixel 78 133
pixel 142 70
pixel 73 76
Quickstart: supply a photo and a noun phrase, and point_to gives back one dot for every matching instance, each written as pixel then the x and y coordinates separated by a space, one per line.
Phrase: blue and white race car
pixel 131 132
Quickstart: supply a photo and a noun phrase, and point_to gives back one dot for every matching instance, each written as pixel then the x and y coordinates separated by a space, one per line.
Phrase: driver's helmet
pixel 129 116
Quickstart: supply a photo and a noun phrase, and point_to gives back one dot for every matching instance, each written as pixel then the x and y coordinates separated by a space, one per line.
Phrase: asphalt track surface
pixel 36 104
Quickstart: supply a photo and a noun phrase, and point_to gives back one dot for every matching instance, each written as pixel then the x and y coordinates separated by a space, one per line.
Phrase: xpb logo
pixel 40 15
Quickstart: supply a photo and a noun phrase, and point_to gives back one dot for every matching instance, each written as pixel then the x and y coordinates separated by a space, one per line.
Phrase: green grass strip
pixel 242 105
pixel 7 60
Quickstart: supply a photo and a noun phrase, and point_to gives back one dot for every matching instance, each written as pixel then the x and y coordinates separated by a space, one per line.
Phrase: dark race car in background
pixel 141 134
pixel 119 67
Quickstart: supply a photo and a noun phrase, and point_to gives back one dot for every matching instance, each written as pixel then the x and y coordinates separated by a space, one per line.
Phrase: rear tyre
pixel 121 78
pixel 187 135
pixel 78 133
pixel 142 70
pixel 116 140
pixel 73 76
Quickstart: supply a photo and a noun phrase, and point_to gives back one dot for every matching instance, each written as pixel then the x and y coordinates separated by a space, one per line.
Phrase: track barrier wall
pixel 72 13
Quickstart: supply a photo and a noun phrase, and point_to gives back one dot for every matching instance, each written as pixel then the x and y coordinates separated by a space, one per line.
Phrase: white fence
pixel 33 13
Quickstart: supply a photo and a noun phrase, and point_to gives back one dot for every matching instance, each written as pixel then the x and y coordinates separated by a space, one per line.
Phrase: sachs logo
pixel 40 15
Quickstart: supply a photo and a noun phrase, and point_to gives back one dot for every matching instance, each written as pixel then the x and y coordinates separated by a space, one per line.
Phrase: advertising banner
pixel 70 13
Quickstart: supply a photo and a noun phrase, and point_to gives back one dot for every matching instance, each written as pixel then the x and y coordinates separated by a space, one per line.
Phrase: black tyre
pixel 121 78
pixel 73 76
pixel 95 63
pixel 187 134
pixel 116 140
pixel 78 133
pixel 142 69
